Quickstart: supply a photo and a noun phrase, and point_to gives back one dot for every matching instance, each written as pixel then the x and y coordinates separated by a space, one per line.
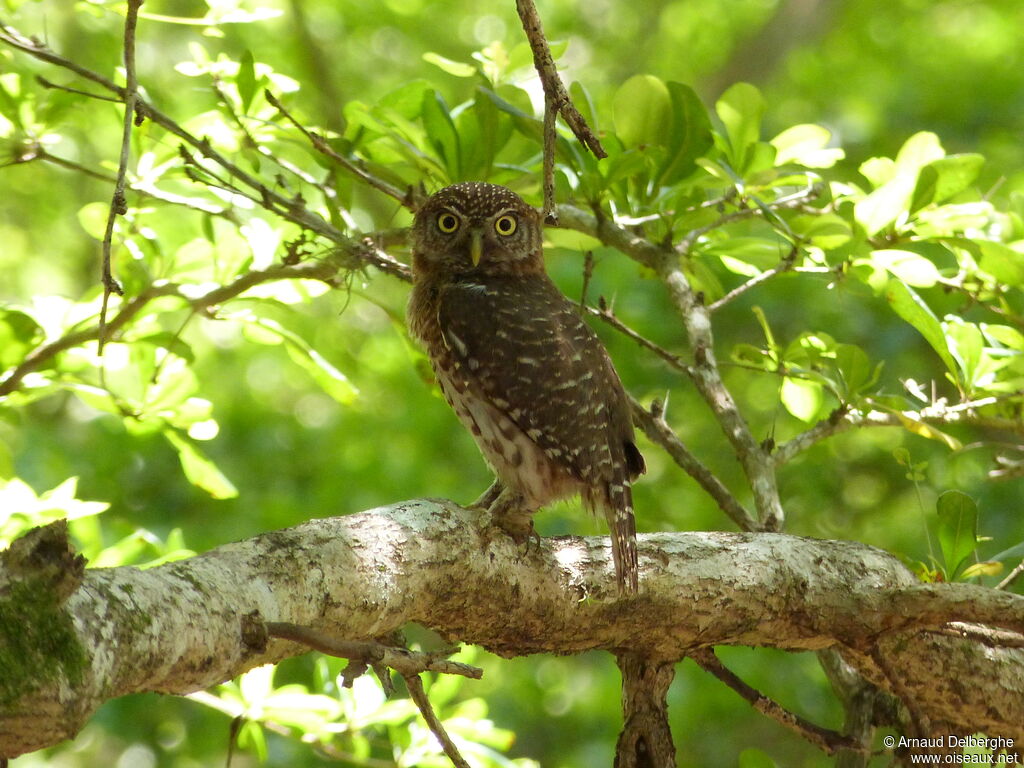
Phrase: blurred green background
pixel 873 71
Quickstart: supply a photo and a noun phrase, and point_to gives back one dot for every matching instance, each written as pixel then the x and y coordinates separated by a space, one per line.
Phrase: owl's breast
pixel 515 458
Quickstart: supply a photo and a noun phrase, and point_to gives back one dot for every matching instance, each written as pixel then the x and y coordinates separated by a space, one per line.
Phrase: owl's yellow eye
pixel 447 223
pixel 505 225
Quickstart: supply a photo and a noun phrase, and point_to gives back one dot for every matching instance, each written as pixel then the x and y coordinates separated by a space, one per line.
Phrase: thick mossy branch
pixel 177 628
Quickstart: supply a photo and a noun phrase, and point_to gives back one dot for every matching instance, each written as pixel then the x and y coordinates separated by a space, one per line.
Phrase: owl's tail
pixel 618 512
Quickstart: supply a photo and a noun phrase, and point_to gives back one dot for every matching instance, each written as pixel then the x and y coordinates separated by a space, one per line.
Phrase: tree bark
pixel 179 627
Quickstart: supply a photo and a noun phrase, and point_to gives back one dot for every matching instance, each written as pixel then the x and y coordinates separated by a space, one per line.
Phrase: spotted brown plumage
pixel 523 372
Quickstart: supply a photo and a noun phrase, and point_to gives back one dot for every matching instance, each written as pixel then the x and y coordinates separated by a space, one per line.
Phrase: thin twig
pixel 291 210
pixel 993 638
pixel 609 317
pixel 827 740
pixel 556 101
pixel 1011 577
pixel 321 146
pixel 786 265
pixel 658 431
pixel 409 664
pixel 77 91
pixel 794 200
pixel 402 660
pixel 419 696
pixel 40 356
pixel 937 414
pixel 118 203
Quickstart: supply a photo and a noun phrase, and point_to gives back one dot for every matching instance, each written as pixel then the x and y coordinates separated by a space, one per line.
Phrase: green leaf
pixel 912 268
pixel 740 109
pixel 19 334
pixel 755 758
pixel 806 145
pixel 441 131
pixel 330 379
pixel 1002 262
pixel 641 110
pixel 966 344
pixel 199 469
pixel 1017 550
pixel 246 79
pixel 985 568
pixel 581 99
pixel 878 170
pixel 909 306
pixel 945 178
pixel 457 68
pixel 892 199
pixel 855 367
pixel 802 398
pixel 689 136
pixel 958 529
pixel 826 231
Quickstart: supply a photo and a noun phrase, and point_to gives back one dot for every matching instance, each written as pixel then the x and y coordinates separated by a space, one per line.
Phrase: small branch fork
pixel 293 210
pixel 118 203
pixel 409 664
pixel 824 739
pixel 556 102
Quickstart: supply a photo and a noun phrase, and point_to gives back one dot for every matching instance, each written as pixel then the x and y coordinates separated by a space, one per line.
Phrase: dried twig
pixel 556 101
pixel 828 741
pixel 40 356
pixel 321 146
pixel 290 209
pixel 994 638
pixel 118 204
pixel 1011 577
pixel 402 660
pixel 658 431
pixel 419 696
pixel 609 317
pixel 409 664
pixel 937 414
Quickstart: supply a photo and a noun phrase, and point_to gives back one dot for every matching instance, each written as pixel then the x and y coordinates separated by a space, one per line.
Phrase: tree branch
pixel 556 101
pixel 292 210
pixel 40 356
pixel 658 431
pixel 118 204
pixel 754 459
pixel 827 741
pixel 937 414
pixel 178 628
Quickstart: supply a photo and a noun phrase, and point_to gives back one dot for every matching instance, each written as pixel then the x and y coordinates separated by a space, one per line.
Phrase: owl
pixel 522 371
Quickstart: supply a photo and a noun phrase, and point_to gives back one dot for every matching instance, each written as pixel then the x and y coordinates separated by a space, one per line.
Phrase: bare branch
pixel 658 431
pixel 828 741
pixel 289 209
pixel 118 204
pixel 415 686
pixel 366 575
pixel 556 101
pixel 1011 577
pixel 40 356
pixel 754 459
pixel 609 317
pixel 937 414
pixel 321 146
pixel 402 660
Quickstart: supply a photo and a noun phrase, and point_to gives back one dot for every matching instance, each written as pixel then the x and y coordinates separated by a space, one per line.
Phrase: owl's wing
pixel 523 347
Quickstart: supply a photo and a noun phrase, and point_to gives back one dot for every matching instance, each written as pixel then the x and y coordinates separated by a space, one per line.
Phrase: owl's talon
pixel 488 497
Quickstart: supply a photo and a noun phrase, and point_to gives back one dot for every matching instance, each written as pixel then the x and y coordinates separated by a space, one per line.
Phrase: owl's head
pixel 478 228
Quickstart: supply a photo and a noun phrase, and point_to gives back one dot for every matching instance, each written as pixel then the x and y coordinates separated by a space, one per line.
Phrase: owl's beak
pixel 476 245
